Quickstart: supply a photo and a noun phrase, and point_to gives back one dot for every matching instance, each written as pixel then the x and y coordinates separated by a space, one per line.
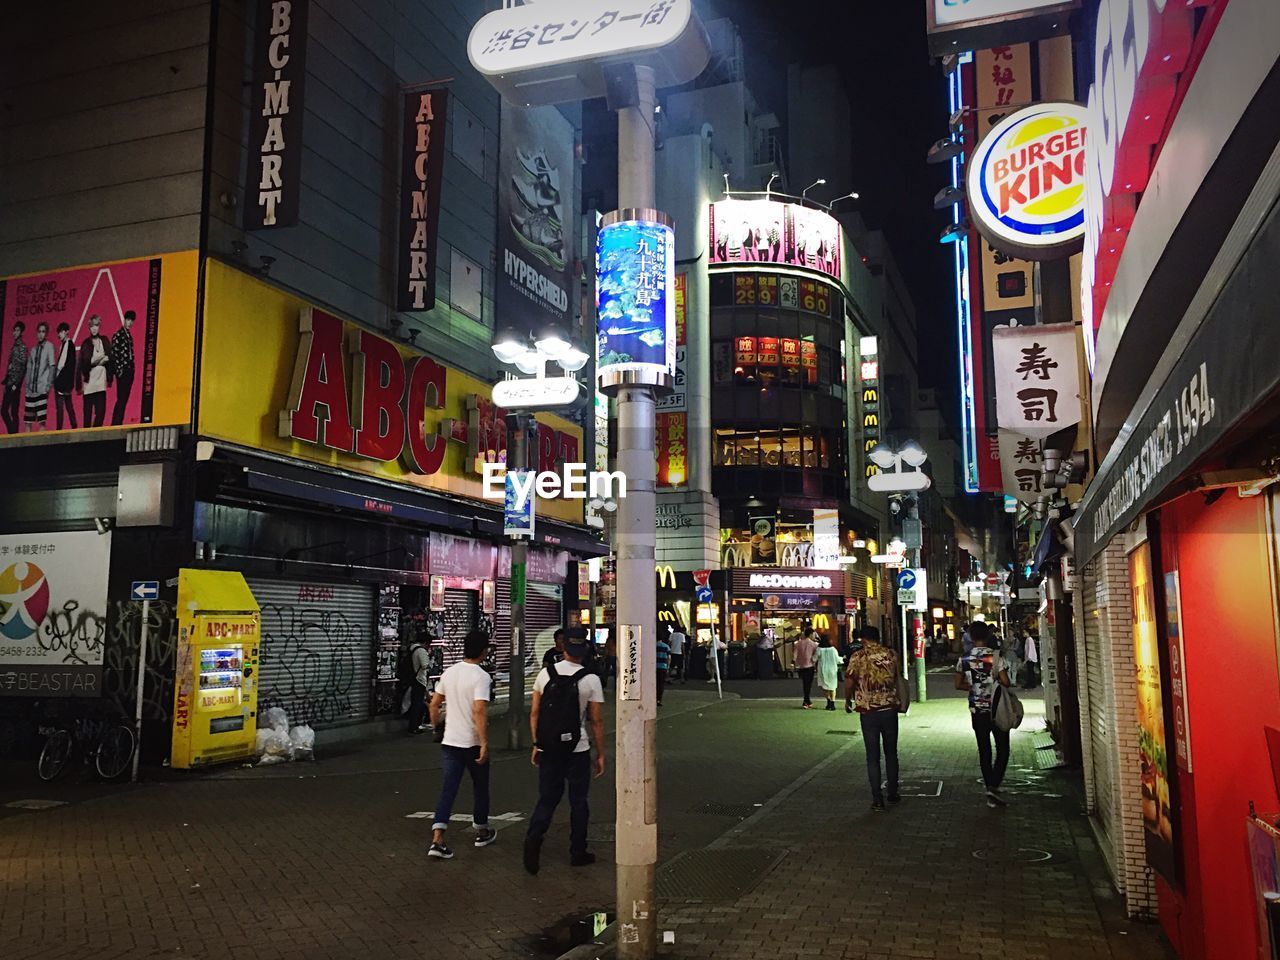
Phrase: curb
pixel 601 946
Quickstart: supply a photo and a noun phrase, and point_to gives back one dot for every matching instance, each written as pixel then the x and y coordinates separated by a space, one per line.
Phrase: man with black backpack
pixel 566 698
pixel 414 671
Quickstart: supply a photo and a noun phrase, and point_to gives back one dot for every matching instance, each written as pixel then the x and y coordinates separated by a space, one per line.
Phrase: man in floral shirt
pixel 122 367
pixel 13 376
pixel 871 685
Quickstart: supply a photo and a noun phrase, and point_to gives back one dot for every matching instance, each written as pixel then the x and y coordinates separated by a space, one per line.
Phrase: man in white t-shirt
pixel 563 754
pixel 464 689
pixel 676 642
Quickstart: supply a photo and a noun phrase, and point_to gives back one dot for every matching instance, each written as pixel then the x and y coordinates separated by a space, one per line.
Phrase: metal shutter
pixel 317 650
pixel 542 618
pixel 459 617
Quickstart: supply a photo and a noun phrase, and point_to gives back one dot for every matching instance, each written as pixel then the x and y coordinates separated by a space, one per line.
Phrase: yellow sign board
pixel 107 345
pixel 282 376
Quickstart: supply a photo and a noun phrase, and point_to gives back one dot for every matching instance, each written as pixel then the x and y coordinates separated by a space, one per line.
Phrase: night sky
pixel 899 108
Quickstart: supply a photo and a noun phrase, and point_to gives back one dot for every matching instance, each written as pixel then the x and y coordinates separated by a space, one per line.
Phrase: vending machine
pixel 215 697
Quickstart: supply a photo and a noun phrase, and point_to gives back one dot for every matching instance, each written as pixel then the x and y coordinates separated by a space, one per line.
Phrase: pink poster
pixel 78 347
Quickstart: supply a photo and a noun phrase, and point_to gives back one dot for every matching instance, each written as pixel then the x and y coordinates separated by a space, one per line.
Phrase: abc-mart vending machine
pixel 215 697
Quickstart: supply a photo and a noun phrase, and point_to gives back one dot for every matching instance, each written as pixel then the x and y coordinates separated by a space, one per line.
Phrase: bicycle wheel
pixel 115 750
pixel 54 756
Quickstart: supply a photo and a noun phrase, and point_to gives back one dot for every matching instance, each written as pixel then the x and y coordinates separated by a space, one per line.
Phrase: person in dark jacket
pixel 65 379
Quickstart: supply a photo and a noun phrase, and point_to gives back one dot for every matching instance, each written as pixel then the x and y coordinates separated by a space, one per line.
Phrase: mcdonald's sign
pixel 821 621
pixel 870 395
pixel 666 576
pixel 666 615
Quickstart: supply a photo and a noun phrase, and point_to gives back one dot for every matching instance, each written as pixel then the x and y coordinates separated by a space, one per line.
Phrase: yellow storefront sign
pixel 282 376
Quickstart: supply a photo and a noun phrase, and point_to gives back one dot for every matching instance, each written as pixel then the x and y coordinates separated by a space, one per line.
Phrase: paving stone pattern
pixel 321 860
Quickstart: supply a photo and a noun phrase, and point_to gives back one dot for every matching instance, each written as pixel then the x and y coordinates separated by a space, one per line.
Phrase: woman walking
pixel 828 671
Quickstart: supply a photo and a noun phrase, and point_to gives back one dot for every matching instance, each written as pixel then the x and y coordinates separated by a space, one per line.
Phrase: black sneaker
pixel 486 836
pixel 995 800
pixel 440 852
pixel 532 855
pixel 582 859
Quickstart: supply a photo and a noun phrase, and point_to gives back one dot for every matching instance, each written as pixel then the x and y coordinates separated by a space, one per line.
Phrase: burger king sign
pixel 1026 182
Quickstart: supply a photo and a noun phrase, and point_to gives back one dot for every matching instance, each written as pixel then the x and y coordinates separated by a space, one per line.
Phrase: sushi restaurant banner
pixel 285 377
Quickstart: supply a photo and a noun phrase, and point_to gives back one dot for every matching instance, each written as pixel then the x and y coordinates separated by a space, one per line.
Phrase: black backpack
pixel 404 665
pixel 560 713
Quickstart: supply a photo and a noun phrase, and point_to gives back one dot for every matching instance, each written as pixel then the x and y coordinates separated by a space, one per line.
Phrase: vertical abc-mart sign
pixel 1140 48
pixel 1026 182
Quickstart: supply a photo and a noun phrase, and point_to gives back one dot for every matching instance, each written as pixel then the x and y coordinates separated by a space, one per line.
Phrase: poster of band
pixel 53 613
pixel 421 170
pixel 79 347
pixel 536 217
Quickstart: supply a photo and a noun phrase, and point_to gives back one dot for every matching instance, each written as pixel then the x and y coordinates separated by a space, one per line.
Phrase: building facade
pixel 261 344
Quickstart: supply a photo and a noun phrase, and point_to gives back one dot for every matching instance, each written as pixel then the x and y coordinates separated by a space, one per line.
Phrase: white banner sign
pixel 1037 379
pixel 629 661
pixel 826 539
pixel 966 11
pixel 1021 460
pixel 53 613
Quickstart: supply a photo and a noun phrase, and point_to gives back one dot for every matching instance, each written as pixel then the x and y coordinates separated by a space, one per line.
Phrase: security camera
pixel 103 525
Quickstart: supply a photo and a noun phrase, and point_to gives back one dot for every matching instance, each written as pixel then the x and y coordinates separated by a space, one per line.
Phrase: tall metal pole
pixel 517 716
pixel 635 764
pixel 142 673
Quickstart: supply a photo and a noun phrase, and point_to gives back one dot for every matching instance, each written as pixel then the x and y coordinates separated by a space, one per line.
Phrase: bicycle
pixel 109 744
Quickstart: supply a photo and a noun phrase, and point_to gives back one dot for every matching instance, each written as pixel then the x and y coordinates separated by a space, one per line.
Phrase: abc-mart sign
pixel 1140 48
pixel 1026 182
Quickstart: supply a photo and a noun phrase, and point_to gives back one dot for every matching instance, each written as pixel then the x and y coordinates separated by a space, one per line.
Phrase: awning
pixel 336 489
pixel 1210 378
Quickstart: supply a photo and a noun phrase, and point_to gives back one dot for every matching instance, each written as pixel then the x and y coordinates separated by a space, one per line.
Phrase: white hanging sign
pixel 1021 463
pixel 1037 379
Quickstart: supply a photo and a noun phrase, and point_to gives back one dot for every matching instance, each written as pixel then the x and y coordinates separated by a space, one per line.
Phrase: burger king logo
pixel 24 601
pixel 1026 182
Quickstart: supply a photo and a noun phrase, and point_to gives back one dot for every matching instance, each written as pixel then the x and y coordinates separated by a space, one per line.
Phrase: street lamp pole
pixel 635 763
pixel 517 715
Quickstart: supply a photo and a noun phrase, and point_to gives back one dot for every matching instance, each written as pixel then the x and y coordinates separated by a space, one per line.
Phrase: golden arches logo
pixel 870 395
pixel 666 577
pixel 871 420
pixel 666 616
pixel 821 621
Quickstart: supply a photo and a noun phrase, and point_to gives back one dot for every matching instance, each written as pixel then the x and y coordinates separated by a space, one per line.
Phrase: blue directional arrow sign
pixel 907 580
pixel 703 594
pixel 145 590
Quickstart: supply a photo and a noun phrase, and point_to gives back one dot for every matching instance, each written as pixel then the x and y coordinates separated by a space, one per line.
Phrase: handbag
pixel 1007 709
pixel 904 692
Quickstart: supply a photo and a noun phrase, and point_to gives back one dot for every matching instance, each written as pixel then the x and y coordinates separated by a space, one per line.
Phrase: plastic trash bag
pixel 303 739
pixel 277 719
pixel 276 746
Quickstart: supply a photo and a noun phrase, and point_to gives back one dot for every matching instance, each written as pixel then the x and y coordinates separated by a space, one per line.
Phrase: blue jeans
pixel 454 761
pixel 554 771
pixel 880 725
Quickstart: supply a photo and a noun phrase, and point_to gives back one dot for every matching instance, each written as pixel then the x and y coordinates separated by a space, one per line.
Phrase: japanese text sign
pixel 1021 463
pixel 636 318
pixel 1037 379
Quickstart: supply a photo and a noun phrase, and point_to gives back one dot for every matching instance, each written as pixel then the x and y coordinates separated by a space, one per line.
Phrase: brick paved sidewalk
pixel 938 876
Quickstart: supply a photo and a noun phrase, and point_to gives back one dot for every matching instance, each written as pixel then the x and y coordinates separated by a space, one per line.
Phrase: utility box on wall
pixel 145 495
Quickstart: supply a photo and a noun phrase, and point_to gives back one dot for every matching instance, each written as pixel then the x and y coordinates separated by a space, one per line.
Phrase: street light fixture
pixel 509 344
pixel 852 195
pixel 774 176
pixel 821 181
pixel 551 342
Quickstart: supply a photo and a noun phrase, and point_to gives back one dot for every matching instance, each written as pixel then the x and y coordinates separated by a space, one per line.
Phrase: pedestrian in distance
pixel 828 671
pixel 464 692
pixel 979 672
pixel 871 687
pixel 677 640
pixel 1031 664
pixel 566 718
pixel 806 654
pixel 1012 652
pixel 663 665
pixel 418 680
pixel 556 653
